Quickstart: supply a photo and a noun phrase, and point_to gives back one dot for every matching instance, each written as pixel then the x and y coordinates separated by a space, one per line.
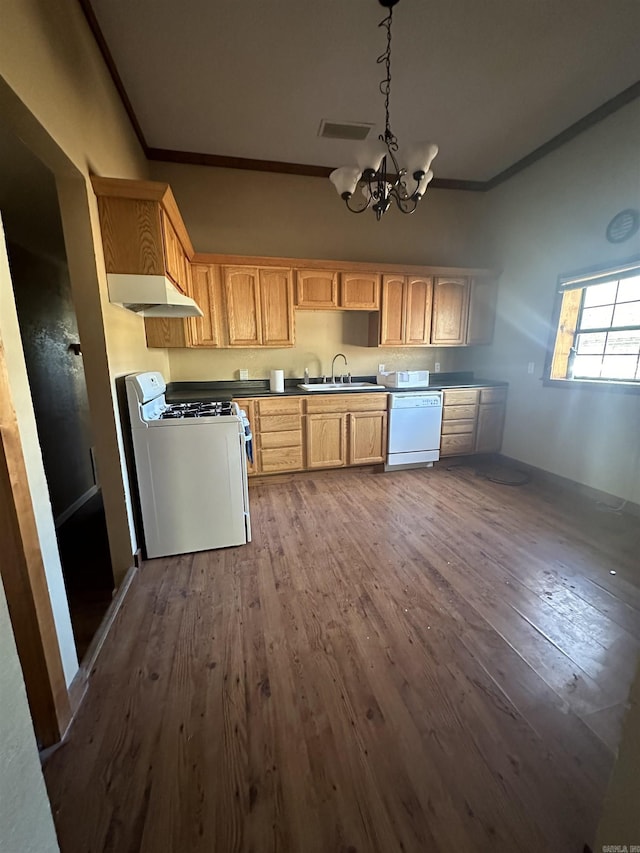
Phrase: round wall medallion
pixel 623 225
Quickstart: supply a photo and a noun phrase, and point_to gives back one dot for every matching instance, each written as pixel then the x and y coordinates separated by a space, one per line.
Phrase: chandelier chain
pixel 385 85
pixel 377 174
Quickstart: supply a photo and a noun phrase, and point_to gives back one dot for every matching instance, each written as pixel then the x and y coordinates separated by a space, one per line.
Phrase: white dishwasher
pixel 415 421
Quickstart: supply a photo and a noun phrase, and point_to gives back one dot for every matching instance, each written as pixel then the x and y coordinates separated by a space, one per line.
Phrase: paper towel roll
pixel 276 382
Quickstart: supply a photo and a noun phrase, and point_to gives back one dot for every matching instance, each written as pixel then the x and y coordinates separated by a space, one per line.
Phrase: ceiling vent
pixel 343 130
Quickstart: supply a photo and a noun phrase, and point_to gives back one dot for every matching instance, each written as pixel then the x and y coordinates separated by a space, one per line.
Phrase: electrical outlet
pixel 243 373
pixel 436 367
pixel 531 367
pixel 381 368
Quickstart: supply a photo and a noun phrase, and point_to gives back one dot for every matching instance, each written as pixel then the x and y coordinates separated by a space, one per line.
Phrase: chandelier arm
pixel 404 205
pixel 358 209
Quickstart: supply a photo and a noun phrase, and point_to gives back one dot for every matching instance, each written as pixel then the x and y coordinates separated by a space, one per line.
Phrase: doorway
pixel 54 362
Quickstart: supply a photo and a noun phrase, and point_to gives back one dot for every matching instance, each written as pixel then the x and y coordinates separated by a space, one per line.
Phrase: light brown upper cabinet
pixel 405 314
pixel 482 310
pixel 326 289
pixel 316 289
pixel 259 303
pixel 206 289
pixel 142 230
pixel 360 291
pixel 450 311
pixel 176 261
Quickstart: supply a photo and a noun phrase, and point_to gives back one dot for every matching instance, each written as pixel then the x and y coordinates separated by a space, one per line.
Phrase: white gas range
pixel 191 469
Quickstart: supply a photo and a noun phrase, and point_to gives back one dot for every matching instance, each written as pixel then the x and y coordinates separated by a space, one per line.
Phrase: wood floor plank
pixel 418 661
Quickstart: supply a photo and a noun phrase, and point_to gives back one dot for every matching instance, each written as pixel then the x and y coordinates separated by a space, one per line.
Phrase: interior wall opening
pixel 54 361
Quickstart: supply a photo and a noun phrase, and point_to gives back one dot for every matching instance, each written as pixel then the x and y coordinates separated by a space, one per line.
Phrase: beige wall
pixel 253 213
pixel 551 219
pixel 57 96
pixel 319 336
pixel 26 825
pixel 258 213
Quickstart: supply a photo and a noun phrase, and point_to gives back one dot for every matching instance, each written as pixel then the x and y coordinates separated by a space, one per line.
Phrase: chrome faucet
pixel 333 375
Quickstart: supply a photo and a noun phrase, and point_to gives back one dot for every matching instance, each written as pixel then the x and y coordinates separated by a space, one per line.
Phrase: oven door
pixel 192 478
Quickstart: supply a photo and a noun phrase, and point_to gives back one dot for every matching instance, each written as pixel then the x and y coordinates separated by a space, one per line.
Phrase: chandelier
pixel 377 172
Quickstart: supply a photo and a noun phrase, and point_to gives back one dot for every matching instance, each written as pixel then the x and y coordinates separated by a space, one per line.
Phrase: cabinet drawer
pixel 354 402
pixel 280 406
pixel 458 413
pixel 493 395
pixel 460 397
pixel 277 423
pixel 457 427
pixel 281 459
pixel 451 445
pixel 285 438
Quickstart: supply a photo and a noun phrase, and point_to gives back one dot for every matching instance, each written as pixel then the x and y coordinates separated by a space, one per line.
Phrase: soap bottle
pixel 306 376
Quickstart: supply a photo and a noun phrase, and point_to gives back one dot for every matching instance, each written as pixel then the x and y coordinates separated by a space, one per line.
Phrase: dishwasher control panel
pixel 415 401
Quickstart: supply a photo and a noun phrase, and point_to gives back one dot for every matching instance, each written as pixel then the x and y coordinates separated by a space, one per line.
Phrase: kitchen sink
pixel 339 386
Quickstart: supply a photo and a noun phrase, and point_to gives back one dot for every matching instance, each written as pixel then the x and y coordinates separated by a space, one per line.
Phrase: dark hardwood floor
pixel 416 661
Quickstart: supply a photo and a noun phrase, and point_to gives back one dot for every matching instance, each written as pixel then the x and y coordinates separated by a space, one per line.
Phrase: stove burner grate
pixel 198 410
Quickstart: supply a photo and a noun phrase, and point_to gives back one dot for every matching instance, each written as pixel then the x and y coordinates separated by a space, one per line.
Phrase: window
pixel 597 333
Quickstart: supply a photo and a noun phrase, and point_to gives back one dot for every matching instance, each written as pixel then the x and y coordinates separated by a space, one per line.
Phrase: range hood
pixel 150 296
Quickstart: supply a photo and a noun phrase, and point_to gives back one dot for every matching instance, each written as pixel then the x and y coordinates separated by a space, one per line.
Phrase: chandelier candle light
pixel 377 171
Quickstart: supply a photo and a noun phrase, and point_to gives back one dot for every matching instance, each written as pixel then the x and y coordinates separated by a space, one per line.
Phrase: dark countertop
pixel 186 392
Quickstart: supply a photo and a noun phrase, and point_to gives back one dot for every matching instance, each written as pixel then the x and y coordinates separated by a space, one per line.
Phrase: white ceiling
pixel 489 81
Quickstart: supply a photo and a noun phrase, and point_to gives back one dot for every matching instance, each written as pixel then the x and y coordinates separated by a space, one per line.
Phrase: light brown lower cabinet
pixel 367 437
pixel 490 425
pixel 278 438
pixel 346 429
pixel 327 440
pixel 297 433
pixel 459 415
pixel 472 420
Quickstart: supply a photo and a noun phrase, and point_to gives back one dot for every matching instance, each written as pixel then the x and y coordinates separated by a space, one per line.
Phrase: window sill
pixel 594 385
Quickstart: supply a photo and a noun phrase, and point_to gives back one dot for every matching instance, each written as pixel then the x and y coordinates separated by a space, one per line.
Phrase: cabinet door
pixel 450 311
pixel 392 320
pixel 360 291
pixel 276 301
pixel 326 440
pixel 489 427
pixel 316 289
pixel 482 311
pixel 167 332
pixel 367 437
pixel 419 297
pixel 174 256
pixel 241 290
pixel 131 236
pixel 206 290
